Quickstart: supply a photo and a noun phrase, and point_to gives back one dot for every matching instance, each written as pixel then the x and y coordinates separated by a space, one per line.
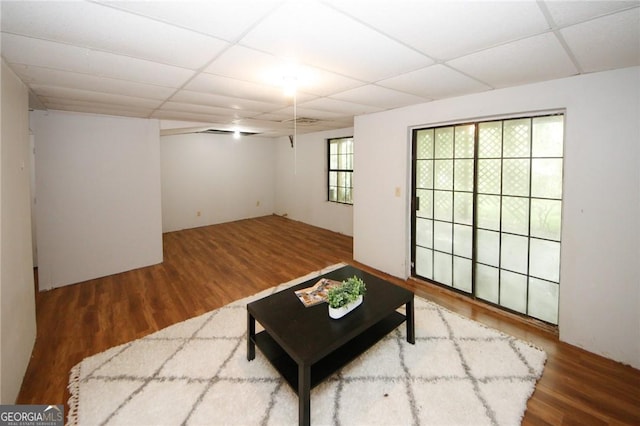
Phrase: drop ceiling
pixel 221 64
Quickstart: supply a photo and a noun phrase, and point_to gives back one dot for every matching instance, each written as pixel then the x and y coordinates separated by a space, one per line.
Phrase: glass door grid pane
pixel 518 205
pixel 443 220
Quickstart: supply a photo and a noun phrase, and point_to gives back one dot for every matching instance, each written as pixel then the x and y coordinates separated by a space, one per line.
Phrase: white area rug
pixel 196 372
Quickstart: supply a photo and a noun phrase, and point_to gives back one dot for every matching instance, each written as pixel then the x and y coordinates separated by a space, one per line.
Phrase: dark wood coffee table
pixel 306 346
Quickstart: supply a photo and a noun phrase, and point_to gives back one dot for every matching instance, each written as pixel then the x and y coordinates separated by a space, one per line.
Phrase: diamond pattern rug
pixel 196 373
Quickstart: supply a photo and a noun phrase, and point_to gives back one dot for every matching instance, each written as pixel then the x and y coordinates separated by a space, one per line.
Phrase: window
pixel 488 211
pixel 340 170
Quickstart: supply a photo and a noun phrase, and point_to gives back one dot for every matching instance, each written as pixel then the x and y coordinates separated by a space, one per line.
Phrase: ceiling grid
pixel 219 64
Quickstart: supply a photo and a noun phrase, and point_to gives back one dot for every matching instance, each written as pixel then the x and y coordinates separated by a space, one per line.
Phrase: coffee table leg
pixel 251 332
pixel 411 326
pixel 304 395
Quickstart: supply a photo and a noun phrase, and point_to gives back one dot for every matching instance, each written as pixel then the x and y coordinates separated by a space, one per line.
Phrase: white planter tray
pixel 336 313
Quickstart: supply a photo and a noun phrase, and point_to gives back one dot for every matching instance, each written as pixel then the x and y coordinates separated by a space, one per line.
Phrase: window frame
pixel 345 170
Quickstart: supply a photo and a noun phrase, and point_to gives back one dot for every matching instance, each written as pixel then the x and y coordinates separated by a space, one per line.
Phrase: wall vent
pixel 302 121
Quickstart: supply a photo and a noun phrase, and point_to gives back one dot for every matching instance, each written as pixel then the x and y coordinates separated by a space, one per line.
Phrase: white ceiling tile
pixel 187 96
pixel 606 43
pixel 253 124
pixel 434 82
pixel 316 35
pixel 280 116
pixel 190 116
pixel 48 54
pixel 325 83
pixel 243 63
pixel 343 107
pixel 288 114
pixel 205 109
pixel 263 122
pixel 225 19
pixel 74 101
pixel 34 75
pixel 571 12
pixel 66 104
pixel 269 128
pixel 104 28
pixel 45 92
pixel 525 61
pixel 377 96
pixel 448 29
pixel 305 127
pixel 227 86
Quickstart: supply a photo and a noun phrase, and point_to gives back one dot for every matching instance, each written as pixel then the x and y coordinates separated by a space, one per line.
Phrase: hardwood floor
pixel 205 268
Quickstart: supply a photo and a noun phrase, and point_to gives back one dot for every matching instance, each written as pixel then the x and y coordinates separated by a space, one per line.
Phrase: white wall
pixel 600 278
pixel 301 182
pixel 222 178
pixel 17 301
pixel 98 195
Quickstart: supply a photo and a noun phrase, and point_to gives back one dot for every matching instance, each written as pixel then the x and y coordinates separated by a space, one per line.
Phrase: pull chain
pixel 295 135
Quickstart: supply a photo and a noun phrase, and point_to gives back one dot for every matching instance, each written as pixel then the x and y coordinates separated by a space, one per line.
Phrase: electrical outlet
pixel 198 213
pixel 397 191
pixel 258 203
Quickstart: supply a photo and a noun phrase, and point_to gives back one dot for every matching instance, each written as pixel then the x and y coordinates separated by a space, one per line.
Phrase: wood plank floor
pixel 208 267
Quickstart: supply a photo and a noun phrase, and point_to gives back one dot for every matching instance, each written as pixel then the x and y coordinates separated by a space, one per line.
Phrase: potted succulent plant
pixel 345 297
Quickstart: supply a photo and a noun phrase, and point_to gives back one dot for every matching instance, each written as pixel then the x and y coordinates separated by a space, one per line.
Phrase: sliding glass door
pixel 487 216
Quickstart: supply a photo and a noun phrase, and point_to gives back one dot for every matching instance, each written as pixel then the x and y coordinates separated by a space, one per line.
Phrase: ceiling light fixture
pixel 290 85
pixel 236 134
